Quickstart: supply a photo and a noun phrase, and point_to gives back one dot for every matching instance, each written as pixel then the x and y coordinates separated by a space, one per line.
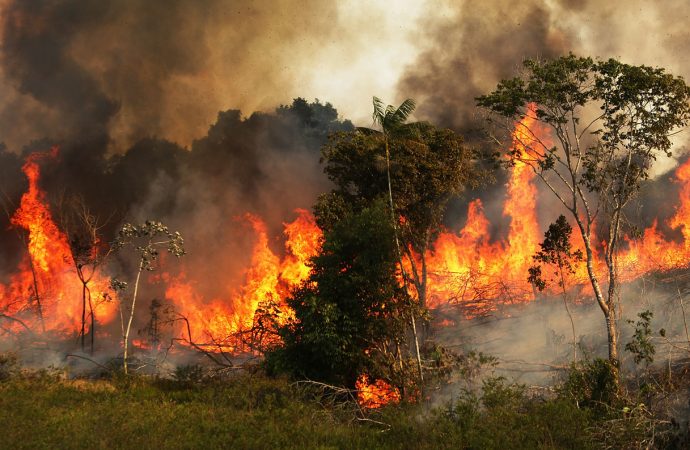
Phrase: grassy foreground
pixel 43 410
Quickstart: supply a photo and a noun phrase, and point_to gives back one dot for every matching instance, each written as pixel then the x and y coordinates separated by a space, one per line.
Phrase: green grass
pixel 249 412
pixel 252 411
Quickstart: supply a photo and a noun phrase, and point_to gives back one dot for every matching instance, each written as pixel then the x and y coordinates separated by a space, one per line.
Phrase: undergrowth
pixel 249 410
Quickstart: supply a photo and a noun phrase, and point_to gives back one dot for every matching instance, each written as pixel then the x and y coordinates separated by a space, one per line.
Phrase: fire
pixel 267 278
pixel 45 291
pixel 375 395
pixel 303 238
pixel 469 269
pixel 46 294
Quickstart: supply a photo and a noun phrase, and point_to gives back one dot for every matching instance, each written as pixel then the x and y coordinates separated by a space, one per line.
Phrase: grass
pixel 41 410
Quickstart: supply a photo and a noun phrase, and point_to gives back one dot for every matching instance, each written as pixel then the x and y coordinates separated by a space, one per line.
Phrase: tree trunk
pixel 131 317
pixel 39 308
pixel 397 246
pixel 612 337
pixel 567 309
pixel 92 330
pixel 607 306
pixel 83 313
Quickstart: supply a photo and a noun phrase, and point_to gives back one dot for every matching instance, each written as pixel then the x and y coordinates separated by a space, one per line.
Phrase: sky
pixel 165 69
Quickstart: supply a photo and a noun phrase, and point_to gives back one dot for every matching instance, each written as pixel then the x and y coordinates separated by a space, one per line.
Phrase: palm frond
pixel 379 111
pixel 405 109
pixel 390 117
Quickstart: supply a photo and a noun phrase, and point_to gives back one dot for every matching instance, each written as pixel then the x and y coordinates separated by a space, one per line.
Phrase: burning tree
pixel 610 122
pixel 146 239
pixel 88 255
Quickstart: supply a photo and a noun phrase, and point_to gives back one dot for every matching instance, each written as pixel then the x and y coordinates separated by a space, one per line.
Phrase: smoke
pixel 533 342
pixel 132 89
pixel 133 69
pixel 473 49
pixel 469 49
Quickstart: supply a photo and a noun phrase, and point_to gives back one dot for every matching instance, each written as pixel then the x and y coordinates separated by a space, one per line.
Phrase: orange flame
pixel 267 278
pixel 48 276
pixel 468 268
pixel 375 395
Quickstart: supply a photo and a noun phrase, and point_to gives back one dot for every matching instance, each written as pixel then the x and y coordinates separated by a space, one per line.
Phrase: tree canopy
pixel 428 166
pixel 349 313
pixel 607 123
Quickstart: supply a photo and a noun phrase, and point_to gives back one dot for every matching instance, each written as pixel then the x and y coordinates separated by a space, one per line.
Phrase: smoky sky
pixel 171 110
pixel 136 68
pixel 468 49
pixel 482 43
pixel 133 69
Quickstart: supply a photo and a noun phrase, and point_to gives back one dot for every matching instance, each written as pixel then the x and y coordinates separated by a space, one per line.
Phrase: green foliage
pixel 427 169
pixel 556 250
pixel 252 411
pixel 592 384
pixel 142 238
pixel 350 309
pixel 502 416
pixel 641 345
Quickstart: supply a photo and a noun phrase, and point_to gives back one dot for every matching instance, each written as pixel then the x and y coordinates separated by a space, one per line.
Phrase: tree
pixel 557 251
pixel 425 166
pixel 349 316
pixel 429 166
pixel 88 255
pixel 609 121
pixel 146 239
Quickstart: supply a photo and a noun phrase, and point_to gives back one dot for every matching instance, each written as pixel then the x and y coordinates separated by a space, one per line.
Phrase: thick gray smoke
pixel 480 44
pixel 136 68
pixel 131 90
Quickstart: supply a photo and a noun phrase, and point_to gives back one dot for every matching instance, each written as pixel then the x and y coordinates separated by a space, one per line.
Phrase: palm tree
pixel 392 121
pixel 393 124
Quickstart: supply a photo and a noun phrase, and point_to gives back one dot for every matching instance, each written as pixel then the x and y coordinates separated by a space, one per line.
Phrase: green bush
pixel 502 416
pixel 592 384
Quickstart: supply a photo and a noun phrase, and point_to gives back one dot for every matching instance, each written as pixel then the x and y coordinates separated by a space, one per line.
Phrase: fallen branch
pixel 339 391
pixel 71 355
pixel 15 320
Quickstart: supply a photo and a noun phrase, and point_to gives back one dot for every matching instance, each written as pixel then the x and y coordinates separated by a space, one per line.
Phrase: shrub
pixel 592 384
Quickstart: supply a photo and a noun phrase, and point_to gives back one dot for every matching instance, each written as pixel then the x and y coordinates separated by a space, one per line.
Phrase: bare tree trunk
pixel 93 320
pixel 567 309
pixel 39 307
pixel 131 317
pixel 612 334
pixel 605 304
pixel 397 246
pixel 685 322
pixel 83 311
pixel 611 318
